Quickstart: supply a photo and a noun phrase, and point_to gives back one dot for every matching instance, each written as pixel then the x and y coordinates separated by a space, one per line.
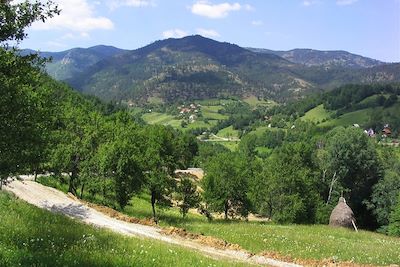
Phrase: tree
pixel 75 140
pixel 187 195
pixel 226 185
pixel 394 221
pixel 385 192
pixel 15 18
pixel 160 161
pixel 22 101
pixel 352 158
pixel 286 189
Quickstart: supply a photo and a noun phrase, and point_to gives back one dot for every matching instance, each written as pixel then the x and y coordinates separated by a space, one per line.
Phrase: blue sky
pixel 367 27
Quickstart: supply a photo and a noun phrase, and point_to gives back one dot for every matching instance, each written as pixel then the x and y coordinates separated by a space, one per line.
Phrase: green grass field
pixel 317 114
pixel 360 117
pixel 228 132
pixel 159 118
pixel 211 113
pixel 30 236
pixel 296 241
pixel 254 101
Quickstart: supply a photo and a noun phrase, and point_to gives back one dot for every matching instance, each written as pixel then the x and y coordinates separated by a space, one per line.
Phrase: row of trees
pixel 302 178
pixel 46 126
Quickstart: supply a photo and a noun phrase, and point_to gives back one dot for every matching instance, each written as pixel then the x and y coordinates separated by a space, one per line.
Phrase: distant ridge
pixel 312 57
pixel 195 67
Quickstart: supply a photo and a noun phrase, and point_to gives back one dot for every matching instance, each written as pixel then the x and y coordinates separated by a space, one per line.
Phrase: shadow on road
pixel 73 210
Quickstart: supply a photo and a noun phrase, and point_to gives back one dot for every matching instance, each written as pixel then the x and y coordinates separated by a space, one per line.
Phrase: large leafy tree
pixel 24 99
pixel 353 160
pixel 226 184
pixel 161 157
pixel 120 158
pixel 286 189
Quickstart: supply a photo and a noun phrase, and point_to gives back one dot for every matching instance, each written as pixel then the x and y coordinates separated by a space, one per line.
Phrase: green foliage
pixel 15 18
pixel 23 105
pixel 286 188
pixel 394 221
pixel 352 158
pixel 119 158
pixel 187 195
pixel 225 185
pixel 384 195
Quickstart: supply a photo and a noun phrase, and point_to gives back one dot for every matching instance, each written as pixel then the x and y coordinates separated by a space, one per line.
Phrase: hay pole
pixel 354 225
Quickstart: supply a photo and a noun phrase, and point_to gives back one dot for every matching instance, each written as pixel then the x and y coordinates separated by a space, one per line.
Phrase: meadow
pixel 30 236
pixel 309 242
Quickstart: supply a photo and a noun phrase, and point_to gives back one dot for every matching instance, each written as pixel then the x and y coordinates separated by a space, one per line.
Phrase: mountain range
pixel 196 67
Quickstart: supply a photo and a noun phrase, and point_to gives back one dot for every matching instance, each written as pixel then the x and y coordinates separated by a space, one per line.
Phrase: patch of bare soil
pixel 202 239
pixel 113 213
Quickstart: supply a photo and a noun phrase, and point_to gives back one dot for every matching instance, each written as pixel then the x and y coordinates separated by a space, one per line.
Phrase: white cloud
pixel 72 36
pixel 310 2
pixel 174 33
pixel 76 15
pixel 257 23
pixel 113 4
pixel 345 2
pixel 217 11
pixel 208 32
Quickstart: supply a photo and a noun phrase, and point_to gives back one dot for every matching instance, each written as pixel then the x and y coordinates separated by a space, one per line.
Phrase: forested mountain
pixel 312 57
pixel 67 64
pixel 195 67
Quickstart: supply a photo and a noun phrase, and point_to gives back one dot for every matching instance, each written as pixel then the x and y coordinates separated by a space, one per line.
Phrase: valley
pixel 185 148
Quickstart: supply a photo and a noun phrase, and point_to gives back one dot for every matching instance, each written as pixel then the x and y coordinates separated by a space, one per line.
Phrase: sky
pixel 366 27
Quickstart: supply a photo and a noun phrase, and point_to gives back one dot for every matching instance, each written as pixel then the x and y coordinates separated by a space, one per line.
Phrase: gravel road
pixel 56 201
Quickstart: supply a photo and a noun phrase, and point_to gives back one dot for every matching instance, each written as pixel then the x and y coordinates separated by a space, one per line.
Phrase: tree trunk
pixel 35 175
pixel 1 183
pixel 334 179
pixel 83 186
pixel 153 206
pixel 226 210
pixel 74 175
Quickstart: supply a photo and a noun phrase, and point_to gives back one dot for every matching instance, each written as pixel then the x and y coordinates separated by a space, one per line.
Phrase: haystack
pixel 342 215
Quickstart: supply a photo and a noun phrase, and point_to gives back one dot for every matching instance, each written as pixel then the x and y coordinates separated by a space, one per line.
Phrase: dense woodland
pixel 47 127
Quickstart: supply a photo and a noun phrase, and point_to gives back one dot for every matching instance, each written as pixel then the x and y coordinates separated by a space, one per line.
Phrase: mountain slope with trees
pixel 312 57
pixel 195 67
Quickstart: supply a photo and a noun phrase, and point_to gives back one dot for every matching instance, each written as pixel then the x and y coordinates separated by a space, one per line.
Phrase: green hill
pixel 195 67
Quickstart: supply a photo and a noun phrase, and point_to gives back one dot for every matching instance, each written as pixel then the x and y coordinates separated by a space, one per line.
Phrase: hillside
pixel 67 64
pixel 195 67
pixel 311 57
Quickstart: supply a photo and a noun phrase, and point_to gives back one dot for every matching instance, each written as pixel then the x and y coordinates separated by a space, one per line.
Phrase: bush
pixel 394 222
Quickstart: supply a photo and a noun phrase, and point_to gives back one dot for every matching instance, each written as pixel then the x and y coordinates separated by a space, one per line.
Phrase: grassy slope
pixel 316 114
pixel 254 101
pixel 296 241
pixel 228 132
pixel 211 113
pixel 360 117
pixel 30 236
pixel 160 118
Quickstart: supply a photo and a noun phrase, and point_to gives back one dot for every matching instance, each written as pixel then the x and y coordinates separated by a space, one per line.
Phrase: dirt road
pixel 56 201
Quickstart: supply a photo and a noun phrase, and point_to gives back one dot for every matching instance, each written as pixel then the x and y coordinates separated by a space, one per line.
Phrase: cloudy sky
pixel 367 27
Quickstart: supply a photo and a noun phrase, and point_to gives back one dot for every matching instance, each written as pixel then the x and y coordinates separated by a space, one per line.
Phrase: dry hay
pixel 113 213
pixel 342 215
pixel 206 240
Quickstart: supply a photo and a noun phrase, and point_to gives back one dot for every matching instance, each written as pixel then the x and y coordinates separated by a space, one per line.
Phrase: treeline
pixel 344 98
pixel 302 177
